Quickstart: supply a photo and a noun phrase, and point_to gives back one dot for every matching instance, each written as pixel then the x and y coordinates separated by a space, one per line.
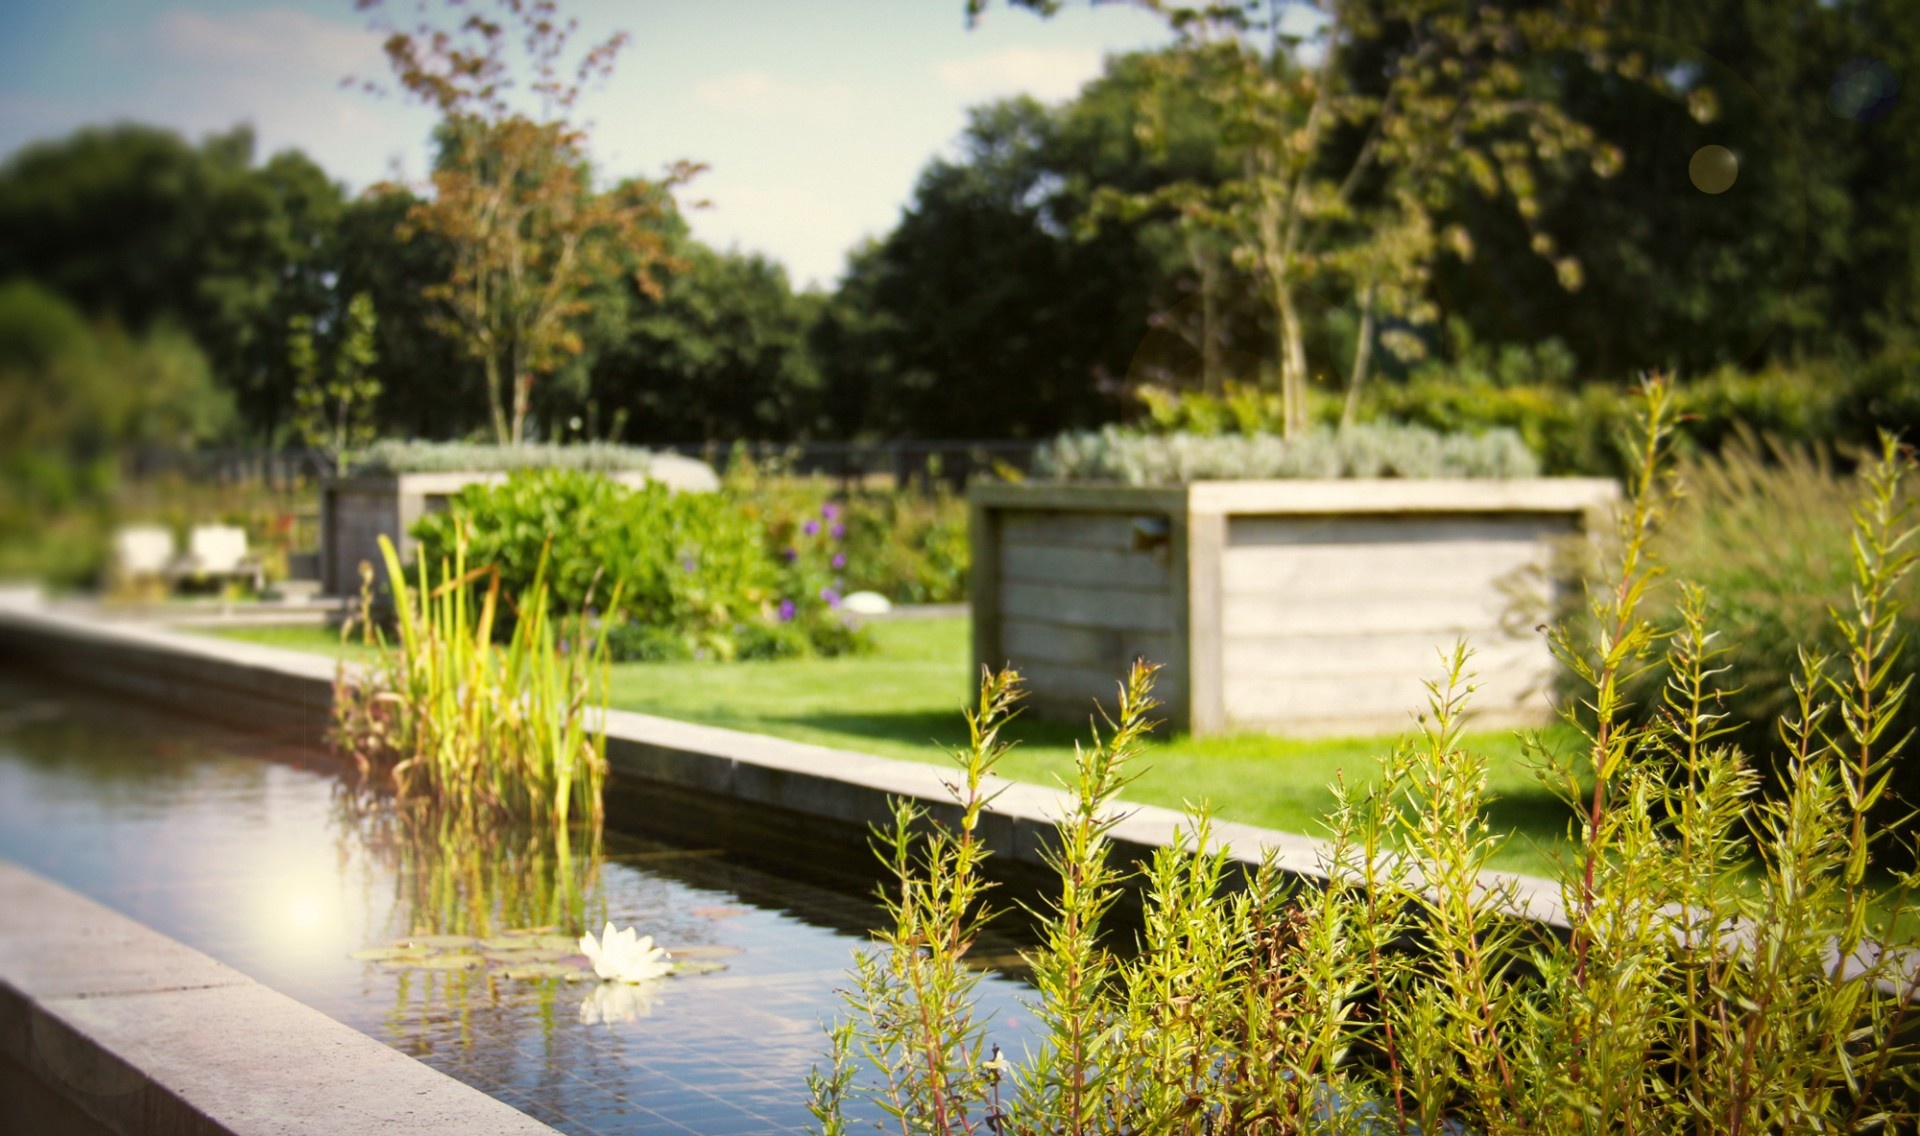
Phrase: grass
pixel 904 701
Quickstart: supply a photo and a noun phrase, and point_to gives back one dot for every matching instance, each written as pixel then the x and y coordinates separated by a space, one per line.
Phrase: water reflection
pixel 456 876
pixel 247 847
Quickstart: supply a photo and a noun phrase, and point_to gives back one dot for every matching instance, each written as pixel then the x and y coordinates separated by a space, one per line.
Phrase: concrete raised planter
pixel 1299 607
pixel 356 511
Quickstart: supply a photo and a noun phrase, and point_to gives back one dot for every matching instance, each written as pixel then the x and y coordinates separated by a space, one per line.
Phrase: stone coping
pixel 109 1026
pixel 294 689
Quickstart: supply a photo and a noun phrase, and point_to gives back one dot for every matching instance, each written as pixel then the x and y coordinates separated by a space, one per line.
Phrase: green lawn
pixel 904 700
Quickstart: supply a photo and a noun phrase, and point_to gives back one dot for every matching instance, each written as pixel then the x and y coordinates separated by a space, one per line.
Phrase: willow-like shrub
pixel 478 727
pixel 1718 966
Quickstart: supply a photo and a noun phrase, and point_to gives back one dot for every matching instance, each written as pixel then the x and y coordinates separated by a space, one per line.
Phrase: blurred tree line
pixel 1065 256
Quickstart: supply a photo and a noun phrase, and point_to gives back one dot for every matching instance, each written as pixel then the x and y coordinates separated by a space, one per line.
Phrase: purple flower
pixel 839 560
pixel 830 511
pixel 790 555
pixel 811 528
pixel 832 597
pixel 786 611
pixel 688 565
pixel 839 532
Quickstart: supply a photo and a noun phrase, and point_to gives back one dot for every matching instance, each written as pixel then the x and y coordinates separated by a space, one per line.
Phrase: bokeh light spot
pixel 1863 90
pixel 1713 169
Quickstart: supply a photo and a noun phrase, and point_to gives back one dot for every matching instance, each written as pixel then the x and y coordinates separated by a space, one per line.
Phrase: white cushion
pixel 143 550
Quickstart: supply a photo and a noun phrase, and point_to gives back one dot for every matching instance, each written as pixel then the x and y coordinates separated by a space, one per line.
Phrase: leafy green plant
pixel 449 715
pixel 694 570
pixel 1715 963
pixel 908 546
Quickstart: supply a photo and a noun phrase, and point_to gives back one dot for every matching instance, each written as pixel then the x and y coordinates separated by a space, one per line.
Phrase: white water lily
pixel 625 956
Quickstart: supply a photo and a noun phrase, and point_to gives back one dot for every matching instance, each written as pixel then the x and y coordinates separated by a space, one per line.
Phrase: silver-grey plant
pixel 1367 450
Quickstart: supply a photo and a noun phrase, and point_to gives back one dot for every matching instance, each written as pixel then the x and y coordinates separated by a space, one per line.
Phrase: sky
pixel 813 116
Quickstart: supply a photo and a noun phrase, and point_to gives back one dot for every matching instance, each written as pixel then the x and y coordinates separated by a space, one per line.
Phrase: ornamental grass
pixel 447 715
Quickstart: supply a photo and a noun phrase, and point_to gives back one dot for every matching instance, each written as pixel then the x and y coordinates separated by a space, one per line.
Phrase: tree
pixel 984 314
pixel 334 402
pixel 1343 169
pixel 76 397
pixel 134 225
pixel 512 196
pixel 719 354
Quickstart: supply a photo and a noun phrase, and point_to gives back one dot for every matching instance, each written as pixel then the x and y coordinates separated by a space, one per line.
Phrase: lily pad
pixel 515 958
pixel 388 954
pixel 455 960
pixel 440 942
pixel 532 971
pixel 518 945
pixel 703 951
pixel 695 966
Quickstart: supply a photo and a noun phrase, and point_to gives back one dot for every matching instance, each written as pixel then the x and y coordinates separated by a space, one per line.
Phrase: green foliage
pixel 1133 458
pixel 335 412
pixel 75 399
pixel 719 355
pixel 1571 427
pixel 478 728
pixel 134 224
pixel 693 570
pixel 910 547
pixel 1718 969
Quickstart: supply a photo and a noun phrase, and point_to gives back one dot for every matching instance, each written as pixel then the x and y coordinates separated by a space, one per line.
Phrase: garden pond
pixel 246 846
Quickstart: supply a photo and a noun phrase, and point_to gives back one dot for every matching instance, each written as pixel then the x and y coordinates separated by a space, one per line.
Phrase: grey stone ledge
pixel 143 1034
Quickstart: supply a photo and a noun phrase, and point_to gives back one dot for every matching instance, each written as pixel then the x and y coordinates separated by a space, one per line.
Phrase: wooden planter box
pixel 356 511
pixel 1297 607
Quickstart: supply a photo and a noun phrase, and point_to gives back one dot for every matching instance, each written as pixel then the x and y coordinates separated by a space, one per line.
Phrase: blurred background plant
pixel 75 399
pixel 700 576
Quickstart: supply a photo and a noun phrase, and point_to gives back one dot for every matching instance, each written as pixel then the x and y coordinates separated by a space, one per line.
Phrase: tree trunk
pixel 1293 363
pixel 1362 358
pixel 495 407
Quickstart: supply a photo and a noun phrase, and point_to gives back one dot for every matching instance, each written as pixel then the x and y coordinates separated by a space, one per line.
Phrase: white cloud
pixel 1046 73
pixel 276 40
pixel 756 94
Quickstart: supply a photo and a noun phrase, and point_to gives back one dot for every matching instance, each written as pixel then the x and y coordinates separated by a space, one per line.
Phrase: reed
pixel 449 715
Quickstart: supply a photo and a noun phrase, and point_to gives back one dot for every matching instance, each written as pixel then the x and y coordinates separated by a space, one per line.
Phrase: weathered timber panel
pixel 1249 532
pixel 1332 619
pixel 1078 687
pixel 1348 569
pixel 1093 567
pixel 1362 613
pixel 1113 531
pixel 1515 690
pixel 1027 640
pixel 1363 656
pixel 1077 606
pixel 1302 607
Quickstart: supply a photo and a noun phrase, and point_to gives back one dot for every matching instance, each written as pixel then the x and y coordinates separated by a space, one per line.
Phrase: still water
pixel 243 845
